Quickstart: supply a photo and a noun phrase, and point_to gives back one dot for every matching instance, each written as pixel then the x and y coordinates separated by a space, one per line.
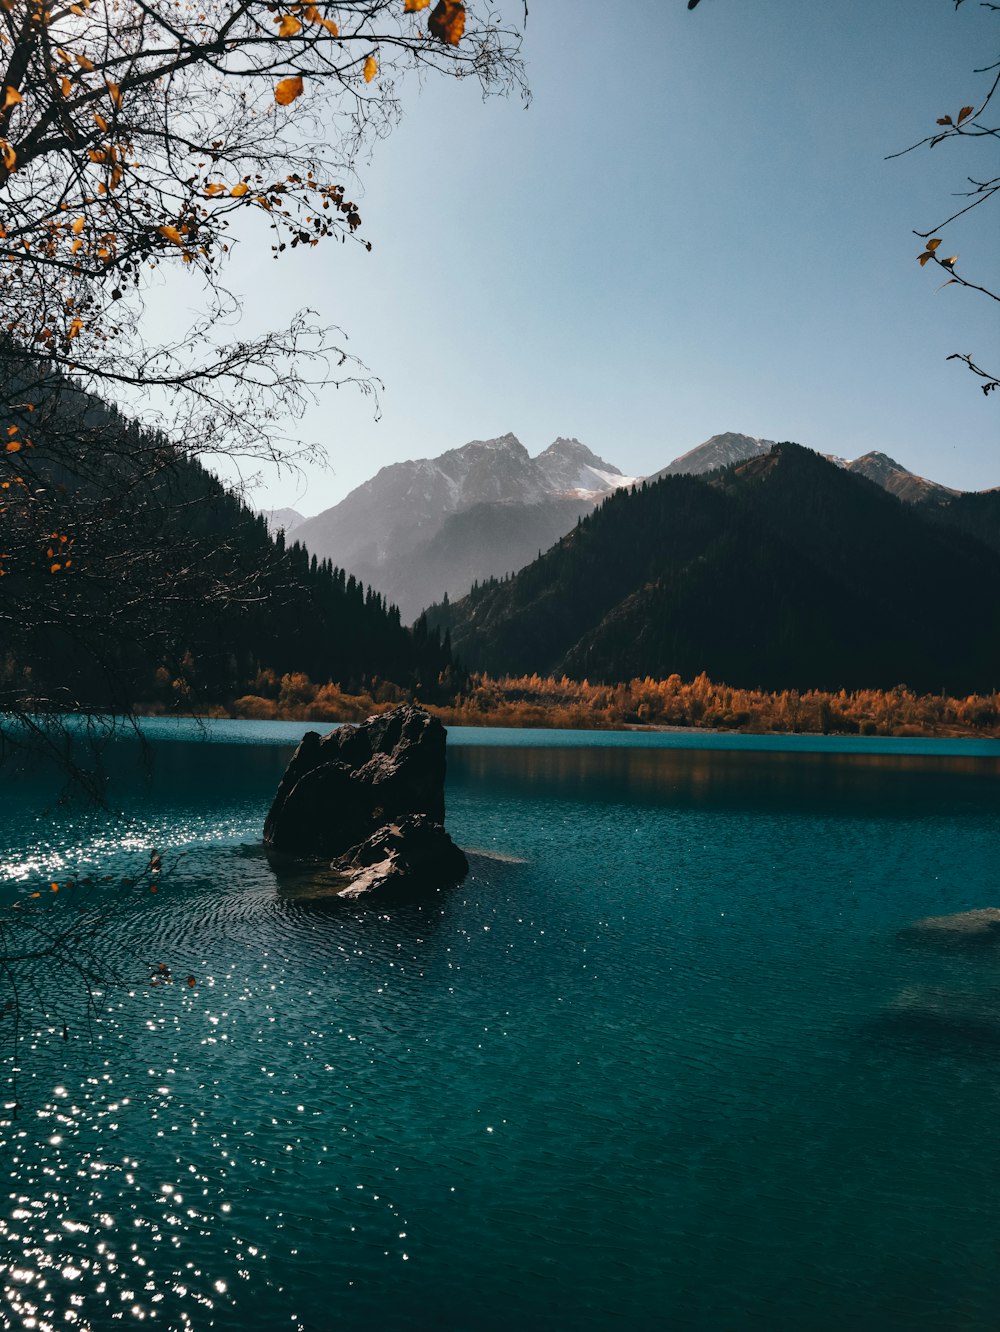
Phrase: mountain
pixel 282 520
pixel 719 451
pixel 570 469
pixel 976 513
pixel 782 571
pixel 724 450
pixel 894 478
pixel 430 527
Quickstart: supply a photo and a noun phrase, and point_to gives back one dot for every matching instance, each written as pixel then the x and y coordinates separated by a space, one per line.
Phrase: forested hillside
pixel 129 574
pixel 783 571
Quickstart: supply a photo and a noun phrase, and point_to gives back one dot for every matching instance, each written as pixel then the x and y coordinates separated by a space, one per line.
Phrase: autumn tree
pixel 975 121
pixel 135 137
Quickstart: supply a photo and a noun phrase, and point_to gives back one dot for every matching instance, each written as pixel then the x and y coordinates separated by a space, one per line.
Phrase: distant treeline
pixel 533 700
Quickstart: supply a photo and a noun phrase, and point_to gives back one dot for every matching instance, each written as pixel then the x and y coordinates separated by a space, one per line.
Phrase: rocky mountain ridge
pixel 427 528
pixel 384 529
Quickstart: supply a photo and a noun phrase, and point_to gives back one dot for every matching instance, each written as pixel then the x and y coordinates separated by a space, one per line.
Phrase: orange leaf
pixel 85 62
pixel 172 234
pixel 922 258
pixel 933 244
pixel 11 97
pixel 55 568
pixel 114 92
pixel 411 6
pixel 944 120
pixel 78 225
pixel 238 191
pixel 66 85
pixel 288 26
pixel 13 446
pixel 287 90
pixel 77 246
pixel 312 15
pixel 75 327
pixel 964 113
pixel 215 188
pixel 447 22
pixel 8 154
pixel 370 69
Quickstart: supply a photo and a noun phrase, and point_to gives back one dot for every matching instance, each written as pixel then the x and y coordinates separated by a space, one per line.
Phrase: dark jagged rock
pixel 413 853
pixel 371 799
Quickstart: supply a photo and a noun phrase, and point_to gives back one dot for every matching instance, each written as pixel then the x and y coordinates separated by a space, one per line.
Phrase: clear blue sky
pixel 691 229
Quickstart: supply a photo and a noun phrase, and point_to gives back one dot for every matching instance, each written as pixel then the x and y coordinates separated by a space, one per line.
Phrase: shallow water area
pixel 667 1058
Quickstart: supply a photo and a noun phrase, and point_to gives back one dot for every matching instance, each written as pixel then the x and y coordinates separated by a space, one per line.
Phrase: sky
pixel 692 228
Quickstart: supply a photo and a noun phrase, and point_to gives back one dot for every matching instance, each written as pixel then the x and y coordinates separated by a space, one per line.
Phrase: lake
pixel 663 1061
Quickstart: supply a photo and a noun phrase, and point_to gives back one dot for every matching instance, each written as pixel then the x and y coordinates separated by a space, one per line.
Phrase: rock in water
pixel 413 853
pixel 964 928
pixel 367 796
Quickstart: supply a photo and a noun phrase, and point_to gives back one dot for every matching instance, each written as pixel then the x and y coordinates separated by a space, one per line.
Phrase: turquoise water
pixel 662 1061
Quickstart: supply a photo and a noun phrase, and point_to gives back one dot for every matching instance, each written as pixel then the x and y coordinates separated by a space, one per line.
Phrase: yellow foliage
pixel 288 89
pixel 447 22
pixel 370 69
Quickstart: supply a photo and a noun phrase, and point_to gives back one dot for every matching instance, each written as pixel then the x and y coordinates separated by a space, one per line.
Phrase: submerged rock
pixel 963 929
pixel 369 798
pixel 932 1016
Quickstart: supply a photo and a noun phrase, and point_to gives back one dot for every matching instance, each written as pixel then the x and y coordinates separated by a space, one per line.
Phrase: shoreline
pixel 907 732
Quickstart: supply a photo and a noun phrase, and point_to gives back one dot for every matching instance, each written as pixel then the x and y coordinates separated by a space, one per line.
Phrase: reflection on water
pixel 663 1060
pixel 707 777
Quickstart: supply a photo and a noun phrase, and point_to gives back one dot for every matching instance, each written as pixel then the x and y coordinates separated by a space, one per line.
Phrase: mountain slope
pixel 130 573
pixel 719 451
pixel 977 513
pixel 783 571
pixel 396 530
pixel 282 520
pixel 905 485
